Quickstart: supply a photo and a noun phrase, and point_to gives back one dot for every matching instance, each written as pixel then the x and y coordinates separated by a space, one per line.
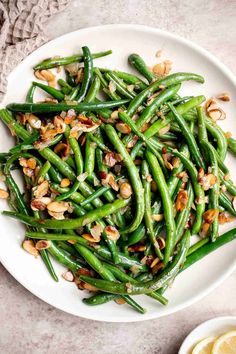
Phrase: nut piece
pixel 210 215
pixel 163 68
pixel 90 238
pixel 40 204
pixel 41 190
pixel 224 97
pixel 112 233
pixel 96 231
pixel 123 128
pixel 207 181
pixel 58 207
pixel 45 75
pixel 157 217
pixel 216 114
pixel 65 182
pixel 3 194
pixel 42 245
pixel 28 246
pixel 125 190
pixel 109 180
pixel 225 217
pixel 120 301
pixel 181 200
pixel 68 276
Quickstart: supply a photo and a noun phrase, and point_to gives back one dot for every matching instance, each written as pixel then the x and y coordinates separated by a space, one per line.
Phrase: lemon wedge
pixel 225 344
pixel 205 346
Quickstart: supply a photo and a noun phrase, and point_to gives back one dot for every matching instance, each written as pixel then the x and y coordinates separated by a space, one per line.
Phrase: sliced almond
pixel 57 216
pixel 42 244
pixel 162 69
pixel 181 200
pixel 157 217
pixel 224 97
pixel 96 231
pixel 123 128
pixel 3 194
pixel 216 114
pixel 34 121
pixel 68 276
pixel 125 190
pixel 40 204
pixel 90 238
pixel 65 182
pixel 41 190
pixel 210 215
pixel 45 75
pixel 225 217
pixel 112 233
pixel 58 207
pixel 28 246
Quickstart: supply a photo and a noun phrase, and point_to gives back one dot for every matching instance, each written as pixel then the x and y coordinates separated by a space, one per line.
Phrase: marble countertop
pixel 29 325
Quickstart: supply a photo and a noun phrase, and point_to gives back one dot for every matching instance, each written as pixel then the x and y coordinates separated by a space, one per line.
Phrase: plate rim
pixel 231 76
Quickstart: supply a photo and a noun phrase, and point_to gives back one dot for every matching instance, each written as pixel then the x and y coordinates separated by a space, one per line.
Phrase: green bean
pixel 99 299
pixel 88 72
pixel 137 235
pixel 59 61
pixel 90 217
pixel 183 215
pixel 215 190
pixel 62 257
pixel 209 247
pixel 232 145
pixel 136 61
pixel 218 134
pixel 193 147
pixel 93 90
pixel 197 245
pixel 89 161
pixel 167 81
pixel 231 188
pixel 105 273
pixel 51 90
pixel 123 277
pixel 127 78
pixel 202 132
pixel 226 203
pixel 120 87
pixel 126 119
pixel 148 213
pixel 152 108
pixel 68 194
pixel 55 160
pixel 99 159
pixel 167 204
pixel 59 107
pixel 168 274
pixel 7 118
pixel 159 124
pixel 30 94
pixel 125 261
pixel 65 87
pixel 43 172
pixel 55 175
pixel 133 175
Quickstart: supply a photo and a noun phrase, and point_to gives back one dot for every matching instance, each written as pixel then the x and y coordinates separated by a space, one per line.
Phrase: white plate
pixel 211 328
pixel 192 284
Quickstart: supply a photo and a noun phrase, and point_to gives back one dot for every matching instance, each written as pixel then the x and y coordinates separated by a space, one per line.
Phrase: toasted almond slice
pixel 112 233
pixel 58 207
pixel 41 190
pixel 42 244
pixel 3 194
pixel 28 246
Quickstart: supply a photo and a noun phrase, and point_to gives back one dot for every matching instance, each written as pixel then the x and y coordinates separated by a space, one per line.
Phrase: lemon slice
pixel 225 344
pixel 205 346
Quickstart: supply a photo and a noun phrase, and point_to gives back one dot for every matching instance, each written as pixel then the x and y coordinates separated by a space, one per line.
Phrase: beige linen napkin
pixel 21 31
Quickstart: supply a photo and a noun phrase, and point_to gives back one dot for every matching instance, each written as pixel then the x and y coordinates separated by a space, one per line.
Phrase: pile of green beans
pixel 115 188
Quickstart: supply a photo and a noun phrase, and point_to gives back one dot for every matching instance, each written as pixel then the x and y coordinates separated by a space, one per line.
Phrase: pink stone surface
pixel 28 325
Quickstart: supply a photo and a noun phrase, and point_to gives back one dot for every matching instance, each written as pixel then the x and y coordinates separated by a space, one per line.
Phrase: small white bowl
pixel 214 327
